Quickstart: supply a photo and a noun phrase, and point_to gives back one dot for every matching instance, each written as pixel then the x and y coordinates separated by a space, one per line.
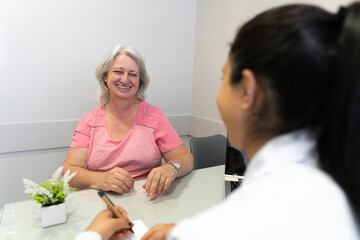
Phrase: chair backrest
pixel 208 151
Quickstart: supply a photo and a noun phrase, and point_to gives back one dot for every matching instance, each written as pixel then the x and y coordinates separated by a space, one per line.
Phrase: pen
pixel 109 203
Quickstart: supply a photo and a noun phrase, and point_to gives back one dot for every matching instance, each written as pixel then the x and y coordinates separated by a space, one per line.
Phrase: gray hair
pixel 105 64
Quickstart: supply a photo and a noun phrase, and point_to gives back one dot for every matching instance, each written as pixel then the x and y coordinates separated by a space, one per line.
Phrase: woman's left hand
pixel 160 179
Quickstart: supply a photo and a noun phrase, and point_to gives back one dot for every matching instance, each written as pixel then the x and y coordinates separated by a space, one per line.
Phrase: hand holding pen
pixel 110 226
pixel 110 205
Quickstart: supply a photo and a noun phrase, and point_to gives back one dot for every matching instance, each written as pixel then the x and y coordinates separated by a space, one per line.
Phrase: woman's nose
pixel 125 78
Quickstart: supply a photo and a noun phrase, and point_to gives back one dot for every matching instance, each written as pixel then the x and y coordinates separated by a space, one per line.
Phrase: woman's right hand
pixel 116 180
pixel 109 226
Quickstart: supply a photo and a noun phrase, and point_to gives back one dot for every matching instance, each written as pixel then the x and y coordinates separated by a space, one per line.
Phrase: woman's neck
pixel 122 108
pixel 253 146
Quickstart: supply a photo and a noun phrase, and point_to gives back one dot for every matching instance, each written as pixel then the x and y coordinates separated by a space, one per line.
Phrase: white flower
pixel 66 179
pixel 47 193
pixel 66 187
pixel 33 191
pixel 67 176
pixel 31 187
pixel 29 184
pixel 56 175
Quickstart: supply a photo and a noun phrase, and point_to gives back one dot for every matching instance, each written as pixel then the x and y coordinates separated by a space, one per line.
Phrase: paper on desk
pixel 139 230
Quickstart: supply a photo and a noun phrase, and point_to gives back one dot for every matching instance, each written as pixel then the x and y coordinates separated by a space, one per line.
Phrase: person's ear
pixel 249 88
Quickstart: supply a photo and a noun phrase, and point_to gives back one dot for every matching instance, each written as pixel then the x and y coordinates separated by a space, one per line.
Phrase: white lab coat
pixel 284 196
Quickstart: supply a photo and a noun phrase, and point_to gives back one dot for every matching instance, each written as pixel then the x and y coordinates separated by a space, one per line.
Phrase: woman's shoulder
pixel 94 114
pixel 302 188
pixel 149 110
pixel 303 193
pixel 299 181
pixel 311 179
pixel 150 116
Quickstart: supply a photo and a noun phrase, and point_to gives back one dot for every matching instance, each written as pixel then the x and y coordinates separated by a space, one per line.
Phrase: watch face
pixel 176 165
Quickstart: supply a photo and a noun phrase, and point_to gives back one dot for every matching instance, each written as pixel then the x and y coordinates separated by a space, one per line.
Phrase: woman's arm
pixel 160 178
pixel 117 179
pixel 182 156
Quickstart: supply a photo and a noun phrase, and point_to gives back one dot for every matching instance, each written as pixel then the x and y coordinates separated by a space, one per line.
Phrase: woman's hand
pixel 158 232
pixel 160 179
pixel 117 180
pixel 110 227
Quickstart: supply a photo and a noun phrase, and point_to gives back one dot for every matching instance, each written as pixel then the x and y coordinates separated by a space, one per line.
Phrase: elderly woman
pixel 125 138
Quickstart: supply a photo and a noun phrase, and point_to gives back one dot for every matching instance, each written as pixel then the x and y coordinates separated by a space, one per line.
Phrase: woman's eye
pixel 133 75
pixel 118 72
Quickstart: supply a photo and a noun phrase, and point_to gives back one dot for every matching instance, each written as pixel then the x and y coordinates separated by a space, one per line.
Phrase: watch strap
pixel 175 165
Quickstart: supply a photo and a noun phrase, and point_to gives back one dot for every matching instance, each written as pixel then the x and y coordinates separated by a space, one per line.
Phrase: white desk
pixel 187 196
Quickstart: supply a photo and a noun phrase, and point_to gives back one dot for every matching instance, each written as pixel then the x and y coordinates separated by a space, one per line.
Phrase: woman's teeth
pixel 122 87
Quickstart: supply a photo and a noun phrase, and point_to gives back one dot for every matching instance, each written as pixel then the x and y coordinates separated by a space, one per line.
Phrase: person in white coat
pixel 290 100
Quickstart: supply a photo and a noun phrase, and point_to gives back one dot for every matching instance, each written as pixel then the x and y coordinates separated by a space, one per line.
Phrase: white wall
pixel 49 50
pixel 216 25
pixel 211 47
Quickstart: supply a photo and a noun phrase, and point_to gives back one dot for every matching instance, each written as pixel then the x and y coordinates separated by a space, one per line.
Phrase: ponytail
pixel 339 136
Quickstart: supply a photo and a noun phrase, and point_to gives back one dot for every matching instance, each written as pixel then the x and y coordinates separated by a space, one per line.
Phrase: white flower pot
pixel 53 215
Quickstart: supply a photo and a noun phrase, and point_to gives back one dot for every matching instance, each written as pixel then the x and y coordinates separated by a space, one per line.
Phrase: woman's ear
pixel 249 85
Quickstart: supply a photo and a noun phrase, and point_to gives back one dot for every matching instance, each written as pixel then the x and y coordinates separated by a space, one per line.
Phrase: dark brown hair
pixel 310 60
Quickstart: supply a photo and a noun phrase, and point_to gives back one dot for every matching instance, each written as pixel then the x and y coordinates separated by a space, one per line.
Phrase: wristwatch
pixel 175 165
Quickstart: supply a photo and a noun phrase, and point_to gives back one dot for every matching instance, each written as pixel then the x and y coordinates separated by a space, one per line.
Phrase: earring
pixel 105 80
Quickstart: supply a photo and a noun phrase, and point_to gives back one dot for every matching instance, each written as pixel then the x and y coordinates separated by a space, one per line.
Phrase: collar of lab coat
pixel 296 147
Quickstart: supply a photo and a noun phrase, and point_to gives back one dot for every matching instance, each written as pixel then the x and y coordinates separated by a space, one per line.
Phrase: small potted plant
pixel 51 195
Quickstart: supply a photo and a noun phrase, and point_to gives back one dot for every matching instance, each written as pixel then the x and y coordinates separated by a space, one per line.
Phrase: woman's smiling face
pixel 123 78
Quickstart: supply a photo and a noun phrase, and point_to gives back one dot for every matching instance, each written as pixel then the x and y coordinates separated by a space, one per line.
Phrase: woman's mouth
pixel 122 87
